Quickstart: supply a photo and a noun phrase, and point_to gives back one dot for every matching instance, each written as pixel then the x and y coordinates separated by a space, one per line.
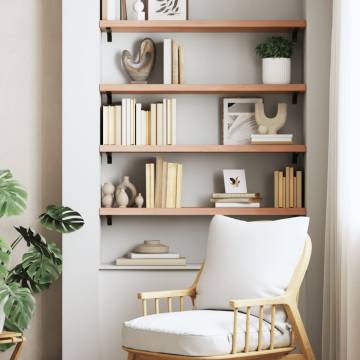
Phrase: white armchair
pixel 244 299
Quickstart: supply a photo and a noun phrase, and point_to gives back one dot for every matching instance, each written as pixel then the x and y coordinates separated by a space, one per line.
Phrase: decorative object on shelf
pixel 235 181
pixel 129 188
pixel 40 265
pixel 122 198
pixel 167 9
pixel 268 125
pixel 140 68
pixel 151 247
pixel 139 201
pixel 239 120
pixel 276 53
pixel 108 195
pixel 139 9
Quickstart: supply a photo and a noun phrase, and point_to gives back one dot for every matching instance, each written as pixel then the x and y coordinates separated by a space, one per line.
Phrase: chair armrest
pixel 166 294
pixel 279 300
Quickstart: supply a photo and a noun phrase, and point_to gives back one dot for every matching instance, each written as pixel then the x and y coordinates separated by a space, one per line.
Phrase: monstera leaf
pixel 34 239
pixel 19 305
pixel 5 258
pixel 61 219
pixel 12 195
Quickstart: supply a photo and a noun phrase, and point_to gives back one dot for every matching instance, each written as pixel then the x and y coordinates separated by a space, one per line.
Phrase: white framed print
pixel 167 9
pixel 235 181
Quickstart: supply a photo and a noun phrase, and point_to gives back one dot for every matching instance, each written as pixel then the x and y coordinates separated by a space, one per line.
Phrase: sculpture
pixel 268 125
pixel 107 198
pixel 140 69
pixel 122 198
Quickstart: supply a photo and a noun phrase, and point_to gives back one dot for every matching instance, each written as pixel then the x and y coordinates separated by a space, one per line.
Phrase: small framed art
pixel 235 181
pixel 168 9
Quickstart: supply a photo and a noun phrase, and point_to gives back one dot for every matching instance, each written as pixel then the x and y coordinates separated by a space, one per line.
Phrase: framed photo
pixel 167 9
pixel 239 120
pixel 235 181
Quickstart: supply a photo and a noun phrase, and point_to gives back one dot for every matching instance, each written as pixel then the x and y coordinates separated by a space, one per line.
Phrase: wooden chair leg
pixel 15 355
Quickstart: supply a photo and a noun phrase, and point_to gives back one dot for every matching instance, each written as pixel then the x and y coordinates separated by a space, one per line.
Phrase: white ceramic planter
pixel 276 71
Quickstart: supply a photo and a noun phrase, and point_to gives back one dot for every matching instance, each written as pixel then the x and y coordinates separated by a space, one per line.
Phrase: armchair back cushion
pixel 249 260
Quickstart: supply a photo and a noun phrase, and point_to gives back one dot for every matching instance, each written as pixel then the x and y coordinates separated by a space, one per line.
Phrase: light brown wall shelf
pixel 204 26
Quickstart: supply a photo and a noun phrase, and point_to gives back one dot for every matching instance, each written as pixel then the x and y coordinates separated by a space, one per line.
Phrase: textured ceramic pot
pixel 152 247
pixel 129 188
pixel 139 201
pixel 276 71
pixel 122 198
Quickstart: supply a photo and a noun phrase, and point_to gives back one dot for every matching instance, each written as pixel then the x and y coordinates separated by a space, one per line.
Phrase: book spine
pixel 105 139
pixel 113 10
pixel 128 121
pixel 284 192
pixel 291 187
pixel 167 61
pixel 153 125
pixel 133 121
pixel 158 183
pixel 175 62
pixel 123 122
pixel 299 190
pixel 295 192
pixel 118 125
pixel 143 127
pixel 173 121
pixel 171 186
pixel 179 177
pixel 147 180
pixel 152 186
pixel 164 139
pixel 164 184
pixel 280 190
pixel 138 126
pixel 104 10
pixel 287 187
pixel 181 65
pixel 159 124
pixel 169 122
pixel 148 128
pixel 276 189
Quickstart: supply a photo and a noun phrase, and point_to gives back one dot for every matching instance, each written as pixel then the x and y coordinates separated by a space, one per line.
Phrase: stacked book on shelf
pixel 245 200
pixel 130 124
pixel 258 139
pixel 173 62
pixel 288 188
pixel 163 184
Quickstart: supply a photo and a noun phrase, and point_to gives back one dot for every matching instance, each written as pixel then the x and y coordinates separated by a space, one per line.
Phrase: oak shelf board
pixel 203 212
pixel 112 267
pixel 203 26
pixel 202 88
pixel 203 149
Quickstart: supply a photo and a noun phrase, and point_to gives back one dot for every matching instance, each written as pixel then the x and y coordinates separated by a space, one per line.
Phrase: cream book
pixel 153 125
pixel 181 65
pixel 169 122
pixel 148 128
pixel 105 119
pixel 118 110
pixel 175 62
pixel 138 126
pixel 153 256
pixel 299 201
pixel 150 262
pixel 152 186
pixel 295 192
pixel 243 195
pixel 123 123
pixel 104 10
pixel 292 187
pixel 167 61
pixel 111 125
pixel 281 194
pixel 133 121
pixel 143 127
pixel 171 186
pixel 164 184
pixel 284 192
pixel 164 128
pixel 276 189
pixel 159 124
pixel 128 121
pixel 158 182
pixel 173 121
pixel 236 200
pixel 287 187
pixel 148 185
pixel 237 205
pixel 179 181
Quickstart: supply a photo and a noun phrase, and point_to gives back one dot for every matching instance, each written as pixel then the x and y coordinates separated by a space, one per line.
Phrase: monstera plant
pixel 41 264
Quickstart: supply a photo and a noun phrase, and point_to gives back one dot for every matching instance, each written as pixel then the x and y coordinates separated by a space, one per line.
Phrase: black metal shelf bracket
pixel 109 220
pixel 294 35
pixel 109 158
pixel 295 98
pixel 109 98
pixel 109 34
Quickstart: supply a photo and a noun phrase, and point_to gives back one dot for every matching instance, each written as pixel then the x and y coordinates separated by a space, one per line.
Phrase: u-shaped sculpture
pixel 268 125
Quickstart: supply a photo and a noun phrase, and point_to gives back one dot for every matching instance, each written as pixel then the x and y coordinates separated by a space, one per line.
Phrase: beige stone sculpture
pixel 268 125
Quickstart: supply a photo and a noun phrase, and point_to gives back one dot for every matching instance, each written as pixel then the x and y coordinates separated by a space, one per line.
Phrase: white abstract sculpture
pixel 139 9
pixel 270 125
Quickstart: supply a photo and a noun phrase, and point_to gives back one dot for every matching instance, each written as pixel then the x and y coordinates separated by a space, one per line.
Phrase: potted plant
pixel 40 265
pixel 276 53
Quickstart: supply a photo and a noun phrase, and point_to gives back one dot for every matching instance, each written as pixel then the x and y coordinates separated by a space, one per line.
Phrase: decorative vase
pixel 129 188
pixel 276 71
pixel 122 198
pixel 107 196
pixel 151 247
pixel 139 201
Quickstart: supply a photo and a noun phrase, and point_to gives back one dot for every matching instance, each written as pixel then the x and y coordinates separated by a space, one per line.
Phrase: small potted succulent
pixel 276 53
pixel 41 263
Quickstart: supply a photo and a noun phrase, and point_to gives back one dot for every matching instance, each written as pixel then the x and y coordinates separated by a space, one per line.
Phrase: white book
pixel 173 121
pixel 111 125
pixel 167 61
pixel 138 125
pixel 153 125
pixel 133 121
pixel 159 124
pixel 153 256
pixel 128 121
pixel 272 136
pixel 113 9
pixel 105 139
pixel 169 122
pixel 164 128
pixel 237 205
pixel 143 127
pixel 123 122
pixel 118 125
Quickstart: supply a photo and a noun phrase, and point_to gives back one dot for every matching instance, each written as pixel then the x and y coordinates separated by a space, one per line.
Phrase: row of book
pixel 162 259
pixel 173 62
pixel 288 188
pixel 130 124
pixel 163 184
pixel 281 139
pixel 243 200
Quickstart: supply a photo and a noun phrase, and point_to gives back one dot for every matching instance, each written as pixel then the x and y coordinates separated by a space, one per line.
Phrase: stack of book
pixel 173 62
pixel 162 259
pixel 288 188
pixel 246 200
pixel 130 124
pixel 163 184
pixel 257 139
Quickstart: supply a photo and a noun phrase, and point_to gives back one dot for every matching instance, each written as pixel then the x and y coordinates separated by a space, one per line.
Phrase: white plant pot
pixel 276 71
pixel 2 315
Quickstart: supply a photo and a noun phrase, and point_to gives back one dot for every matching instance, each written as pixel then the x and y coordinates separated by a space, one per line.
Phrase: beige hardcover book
pixel 147 185
pixel 276 189
pixel 159 124
pixel 173 121
pixel 299 201
pixel 132 122
pixel 181 65
pixel 287 187
pixel 281 194
pixel 152 185
pixel 104 9
pixel 179 176
pixel 235 196
pixel 291 187
pixel 118 132
pixel 284 192
pixel 171 186
pixel 105 127
pixel 153 125
pixel 148 128
pixel 164 128
pixel 175 62
pixel 111 125
pixel 158 182
pixel 295 192
pixel 164 184
pixel 236 200
pixel 169 122
pixel 124 261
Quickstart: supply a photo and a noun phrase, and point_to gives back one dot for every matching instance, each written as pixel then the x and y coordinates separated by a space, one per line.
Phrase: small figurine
pixel 122 198
pixel 139 201
pixel 107 198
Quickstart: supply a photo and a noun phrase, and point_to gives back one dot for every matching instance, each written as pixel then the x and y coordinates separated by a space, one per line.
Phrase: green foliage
pixel 5 258
pixel 61 219
pixel 275 47
pixel 12 195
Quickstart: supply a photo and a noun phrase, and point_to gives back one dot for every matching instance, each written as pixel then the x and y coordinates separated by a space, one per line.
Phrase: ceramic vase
pixel 139 201
pixel 129 188
pixel 276 71
pixel 107 196
pixel 122 198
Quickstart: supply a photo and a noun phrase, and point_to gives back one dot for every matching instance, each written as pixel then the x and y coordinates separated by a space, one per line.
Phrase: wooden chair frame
pixel 289 301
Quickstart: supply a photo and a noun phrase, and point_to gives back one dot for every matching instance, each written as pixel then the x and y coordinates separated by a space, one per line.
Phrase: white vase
pixel 122 198
pixel 2 315
pixel 276 71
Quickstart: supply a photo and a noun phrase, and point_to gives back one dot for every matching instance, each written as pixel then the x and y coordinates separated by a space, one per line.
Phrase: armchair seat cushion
pixel 198 333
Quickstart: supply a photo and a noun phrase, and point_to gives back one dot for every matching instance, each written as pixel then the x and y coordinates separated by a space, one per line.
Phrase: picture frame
pixel 239 120
pixel 235 181
pixel 168 9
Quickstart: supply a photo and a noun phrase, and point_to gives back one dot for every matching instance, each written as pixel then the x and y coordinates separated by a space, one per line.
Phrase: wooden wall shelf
pixel 203 149
pixel 188 267
pixel 202 89
pixel 204 26
pixel 202 212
